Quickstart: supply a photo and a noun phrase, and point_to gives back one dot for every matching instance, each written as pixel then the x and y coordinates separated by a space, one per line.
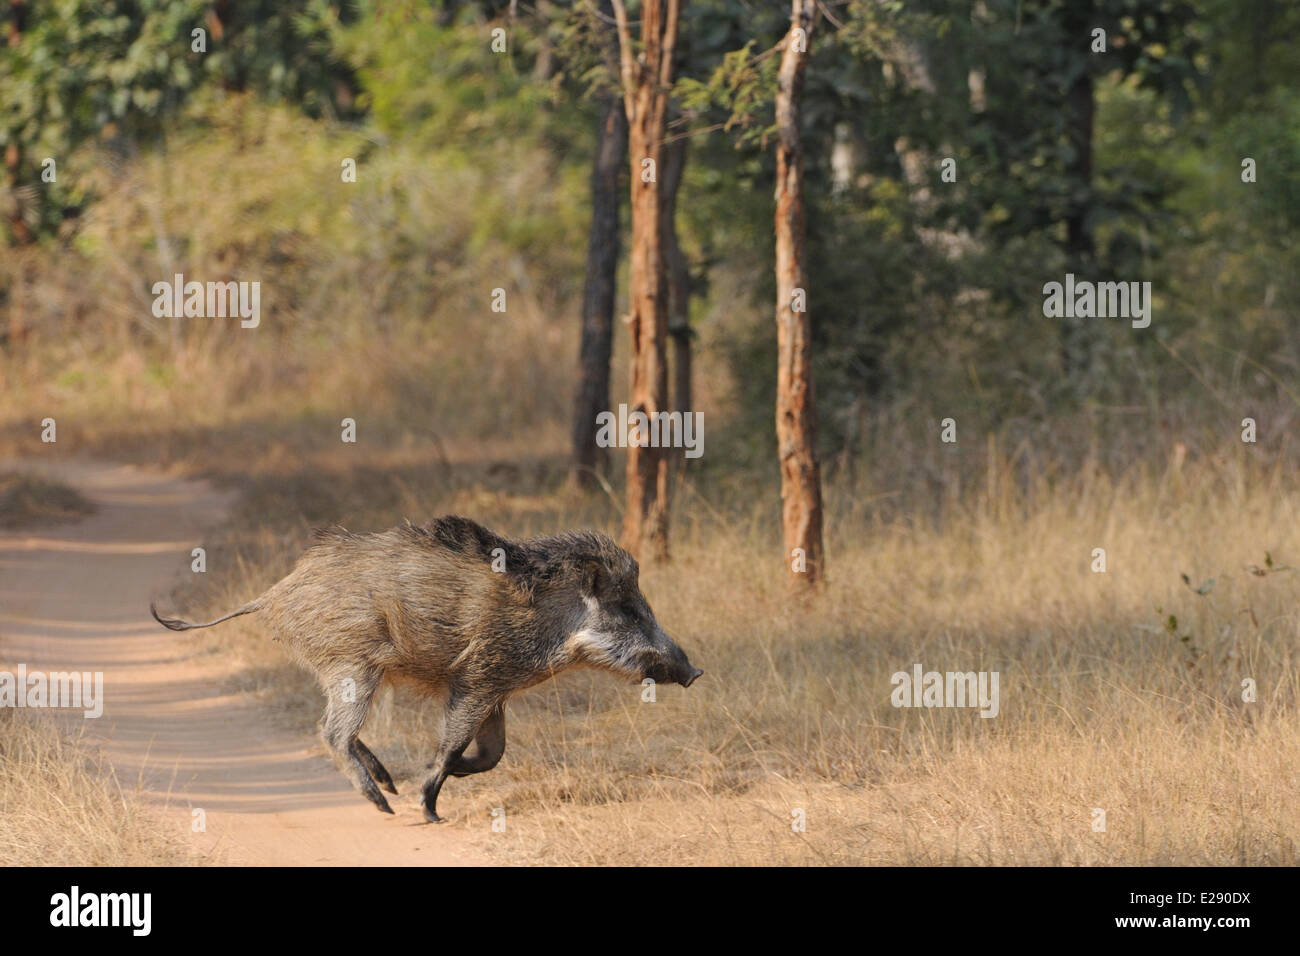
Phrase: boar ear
pixel 595 579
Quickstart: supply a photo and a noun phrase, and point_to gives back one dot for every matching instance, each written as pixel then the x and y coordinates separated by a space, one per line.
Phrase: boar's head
pixel 617 630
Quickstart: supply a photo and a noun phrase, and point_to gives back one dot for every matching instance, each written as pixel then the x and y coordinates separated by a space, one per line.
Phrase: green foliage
pixel 119 69
pixel 740 89
pixel 474 166
pixel 441 84
pixel 82 66
pixel 1184 91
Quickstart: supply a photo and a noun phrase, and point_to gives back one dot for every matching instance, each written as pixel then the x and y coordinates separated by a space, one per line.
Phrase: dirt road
pixel 76 597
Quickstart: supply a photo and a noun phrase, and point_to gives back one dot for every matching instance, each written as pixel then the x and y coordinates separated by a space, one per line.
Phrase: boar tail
pixel 176 624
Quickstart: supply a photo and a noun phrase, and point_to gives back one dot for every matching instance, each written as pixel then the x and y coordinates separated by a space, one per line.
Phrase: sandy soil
pixel 76 597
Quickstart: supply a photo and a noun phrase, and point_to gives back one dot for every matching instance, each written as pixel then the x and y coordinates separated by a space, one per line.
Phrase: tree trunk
pixel 801 493
pixel 647 82
pixel 544 65
pixel 678 275
pixel 977 74
pixel 19 234
pixel 220 19
pixel 599 288
pixel 1079 337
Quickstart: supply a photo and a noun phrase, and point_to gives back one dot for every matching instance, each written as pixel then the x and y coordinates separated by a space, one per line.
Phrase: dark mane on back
pixel 528 564
pixel 459 534
pixel 463 536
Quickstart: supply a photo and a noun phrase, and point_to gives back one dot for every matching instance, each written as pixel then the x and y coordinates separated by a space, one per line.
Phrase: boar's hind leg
pixel 377 770
pixel 462 720
pixel 341 724
pixel 489 745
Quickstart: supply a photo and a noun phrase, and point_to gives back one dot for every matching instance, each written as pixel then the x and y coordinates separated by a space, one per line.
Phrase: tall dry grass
pixel 1120 691
pixel 60 806
pixel 376 297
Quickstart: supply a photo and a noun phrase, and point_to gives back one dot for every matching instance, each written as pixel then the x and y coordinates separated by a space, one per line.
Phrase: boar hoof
pixel 429 815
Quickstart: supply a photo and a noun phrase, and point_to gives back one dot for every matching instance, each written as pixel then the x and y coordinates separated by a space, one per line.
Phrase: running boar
pixel 456 610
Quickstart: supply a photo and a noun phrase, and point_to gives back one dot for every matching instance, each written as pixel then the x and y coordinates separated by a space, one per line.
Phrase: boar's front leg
pixel 489 745
pixel 464 716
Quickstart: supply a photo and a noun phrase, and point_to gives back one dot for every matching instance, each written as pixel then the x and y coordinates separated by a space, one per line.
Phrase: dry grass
pixel 59 806
pixel 1120 691
pixel 972 556
pixel 375 297
pixel 30 499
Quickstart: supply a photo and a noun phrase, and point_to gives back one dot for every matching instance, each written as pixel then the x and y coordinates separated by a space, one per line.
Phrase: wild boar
pixel 465 613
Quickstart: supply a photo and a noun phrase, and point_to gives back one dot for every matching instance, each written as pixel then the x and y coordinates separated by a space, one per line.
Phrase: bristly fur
pixel 461 611
pixel 530 562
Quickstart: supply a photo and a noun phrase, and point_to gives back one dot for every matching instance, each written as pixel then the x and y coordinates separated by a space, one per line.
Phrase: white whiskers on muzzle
pixel 597 648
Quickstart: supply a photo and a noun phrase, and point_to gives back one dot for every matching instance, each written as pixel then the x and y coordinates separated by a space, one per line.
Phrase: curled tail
pixel 176 624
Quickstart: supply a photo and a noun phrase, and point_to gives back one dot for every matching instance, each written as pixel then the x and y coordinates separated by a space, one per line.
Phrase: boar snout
pixel 680 669
pixel 671 666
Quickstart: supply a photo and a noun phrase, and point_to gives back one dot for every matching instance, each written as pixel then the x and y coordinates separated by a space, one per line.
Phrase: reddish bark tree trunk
pixel 801 493
pixel 647 81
